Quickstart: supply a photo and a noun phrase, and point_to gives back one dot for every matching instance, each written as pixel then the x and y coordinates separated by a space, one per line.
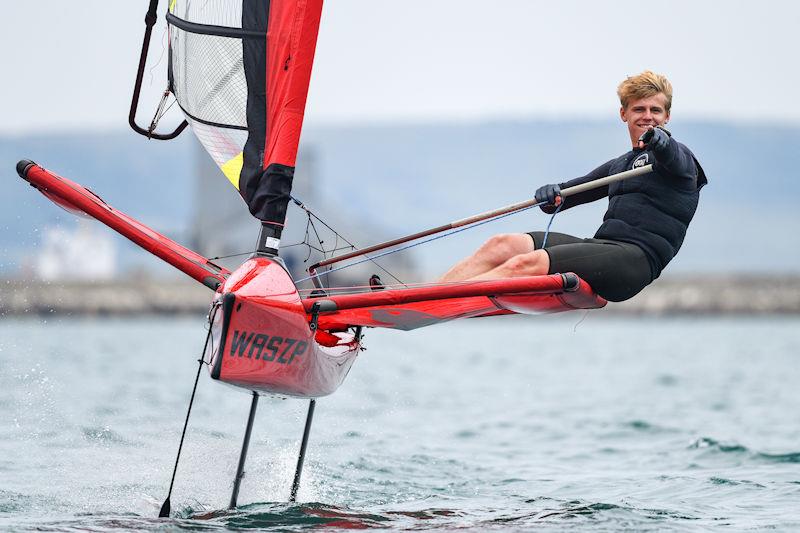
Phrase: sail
pixel 240 70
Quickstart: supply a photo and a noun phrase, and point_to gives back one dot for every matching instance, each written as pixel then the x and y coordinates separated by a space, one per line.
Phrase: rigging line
pixel 282 247
pixel 305 239
pixel 319 239
pixel 550 223
pixel 298 244
pixel 316 234
pixel 575 327
pixel 170 106
pixel 335 244
pixel 229 256
pixel 362 289
pixel 419 243
pixel 304 242
pixel 310 214
pixel 161 56
pixel 159 111
pixel 337 290
pixel 314 248
pixel 163 112
pixel 166 506
pixel 308 211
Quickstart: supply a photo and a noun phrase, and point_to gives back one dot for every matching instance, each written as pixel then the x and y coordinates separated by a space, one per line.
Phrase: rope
pixel 310 214
pixel 419 243
pixel 161 110
pixel 367 258
pixel 166 506
pixel 229 256
pixel 550 223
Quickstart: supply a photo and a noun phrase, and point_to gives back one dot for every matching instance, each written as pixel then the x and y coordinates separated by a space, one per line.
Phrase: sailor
pixel 647 215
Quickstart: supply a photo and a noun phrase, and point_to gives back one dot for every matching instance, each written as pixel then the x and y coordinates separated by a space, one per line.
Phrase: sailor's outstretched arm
pixel 587 196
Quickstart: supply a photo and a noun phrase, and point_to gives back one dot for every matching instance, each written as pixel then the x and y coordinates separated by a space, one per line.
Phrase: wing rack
pixel 79 200
pixel 417 307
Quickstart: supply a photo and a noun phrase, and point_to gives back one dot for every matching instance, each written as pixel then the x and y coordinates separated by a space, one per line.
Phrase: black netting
pixel 208 77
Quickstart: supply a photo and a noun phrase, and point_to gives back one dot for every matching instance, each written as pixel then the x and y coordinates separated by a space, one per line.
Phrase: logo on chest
pixel 641 160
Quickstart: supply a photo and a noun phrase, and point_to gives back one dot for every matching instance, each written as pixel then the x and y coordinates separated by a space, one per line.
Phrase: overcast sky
pixel 69 64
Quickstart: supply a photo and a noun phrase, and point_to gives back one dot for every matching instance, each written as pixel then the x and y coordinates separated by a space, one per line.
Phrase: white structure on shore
pixel 85 253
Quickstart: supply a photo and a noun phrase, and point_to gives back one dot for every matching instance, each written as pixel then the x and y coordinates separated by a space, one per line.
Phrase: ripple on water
pixel 791 457
pixel 11 502
pixel 649 427
pixel 104 435
pixel 724 481
pixel 522 514
pixel 714 446
pixel 707 443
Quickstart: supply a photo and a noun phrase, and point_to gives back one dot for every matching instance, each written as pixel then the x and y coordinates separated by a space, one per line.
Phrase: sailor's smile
pixel 643 114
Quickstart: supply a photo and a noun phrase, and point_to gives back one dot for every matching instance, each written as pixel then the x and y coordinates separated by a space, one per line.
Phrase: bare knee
pixel 499 248
pixel 528 264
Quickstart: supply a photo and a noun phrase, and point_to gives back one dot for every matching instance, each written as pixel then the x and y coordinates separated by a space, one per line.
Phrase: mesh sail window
pixel 240 72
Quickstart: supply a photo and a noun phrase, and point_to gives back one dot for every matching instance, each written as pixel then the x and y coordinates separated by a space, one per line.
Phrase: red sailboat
pixel 243 93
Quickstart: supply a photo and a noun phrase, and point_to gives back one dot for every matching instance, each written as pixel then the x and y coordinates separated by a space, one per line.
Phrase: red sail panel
pixel 291 43
pixel 413 308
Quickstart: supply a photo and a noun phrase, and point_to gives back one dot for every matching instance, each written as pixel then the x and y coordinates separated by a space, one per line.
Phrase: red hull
pixel 262 341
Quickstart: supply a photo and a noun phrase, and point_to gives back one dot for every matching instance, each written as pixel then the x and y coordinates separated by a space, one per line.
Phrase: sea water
pixel 552 423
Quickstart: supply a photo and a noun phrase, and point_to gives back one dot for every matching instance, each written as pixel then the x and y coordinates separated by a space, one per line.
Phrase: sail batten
pixel 240 71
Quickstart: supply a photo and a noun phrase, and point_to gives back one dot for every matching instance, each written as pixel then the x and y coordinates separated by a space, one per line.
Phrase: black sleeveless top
pixel 651 211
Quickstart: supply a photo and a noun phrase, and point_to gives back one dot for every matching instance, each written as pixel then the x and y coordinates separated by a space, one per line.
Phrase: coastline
pixel 727 294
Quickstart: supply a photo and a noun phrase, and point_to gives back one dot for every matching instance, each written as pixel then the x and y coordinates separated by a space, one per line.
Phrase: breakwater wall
pixel 717 294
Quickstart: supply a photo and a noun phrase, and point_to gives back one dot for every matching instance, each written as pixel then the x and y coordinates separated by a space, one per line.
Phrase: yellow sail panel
pixel 224 146
pixel 233 169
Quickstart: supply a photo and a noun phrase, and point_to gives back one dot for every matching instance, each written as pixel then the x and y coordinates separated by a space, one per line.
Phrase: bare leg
pixel 535 263
pixel 494 253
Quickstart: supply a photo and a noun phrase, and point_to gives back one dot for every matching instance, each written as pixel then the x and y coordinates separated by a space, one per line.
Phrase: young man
pixel 647 215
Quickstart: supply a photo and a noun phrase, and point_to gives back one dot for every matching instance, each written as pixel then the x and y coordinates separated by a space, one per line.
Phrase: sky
pixel 71 65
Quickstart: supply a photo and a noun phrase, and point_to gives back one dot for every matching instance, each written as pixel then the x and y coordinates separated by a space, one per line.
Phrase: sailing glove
pixel 549 193
pixel 656 139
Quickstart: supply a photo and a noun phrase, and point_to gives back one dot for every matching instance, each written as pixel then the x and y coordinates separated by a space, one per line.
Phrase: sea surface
pixel 561 423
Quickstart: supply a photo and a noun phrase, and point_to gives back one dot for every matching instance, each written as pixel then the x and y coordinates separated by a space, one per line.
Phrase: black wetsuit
pixel 642 229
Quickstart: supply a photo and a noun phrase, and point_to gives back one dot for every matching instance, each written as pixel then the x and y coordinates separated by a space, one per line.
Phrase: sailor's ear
pixel 622 114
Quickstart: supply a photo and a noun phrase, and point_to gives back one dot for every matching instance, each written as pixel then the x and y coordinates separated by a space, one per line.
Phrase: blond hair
pixel 644 85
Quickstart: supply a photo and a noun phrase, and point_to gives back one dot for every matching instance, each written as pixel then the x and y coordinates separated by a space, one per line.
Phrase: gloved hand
pixel 655 139
pixel 549 193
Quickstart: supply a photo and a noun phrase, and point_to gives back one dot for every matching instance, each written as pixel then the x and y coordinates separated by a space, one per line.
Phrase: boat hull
pixel 261 339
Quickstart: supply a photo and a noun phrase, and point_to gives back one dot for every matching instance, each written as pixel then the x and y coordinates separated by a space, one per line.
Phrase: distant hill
pixel 409 177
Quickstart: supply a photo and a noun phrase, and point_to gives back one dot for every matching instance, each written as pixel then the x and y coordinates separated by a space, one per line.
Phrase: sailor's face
pixel 644 114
